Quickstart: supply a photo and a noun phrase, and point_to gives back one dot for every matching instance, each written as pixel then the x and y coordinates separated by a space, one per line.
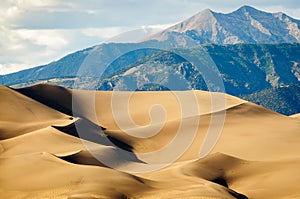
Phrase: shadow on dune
pixel 82 157
pixel 48 95
pixel 93 133
pixel 216 168
pixel 223 182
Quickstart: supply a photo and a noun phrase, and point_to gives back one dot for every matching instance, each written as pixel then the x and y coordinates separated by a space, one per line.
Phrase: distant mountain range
pixel 256 53
pixel 245 25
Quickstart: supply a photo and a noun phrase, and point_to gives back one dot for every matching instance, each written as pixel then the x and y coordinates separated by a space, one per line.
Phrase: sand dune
pixel 57 143
pixel 296 116
pixel 20 114
pixel 46 152
pixel 56 97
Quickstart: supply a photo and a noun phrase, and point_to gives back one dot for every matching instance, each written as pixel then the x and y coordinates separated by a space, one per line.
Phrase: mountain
pixel 246 46
pixel 285 99
pixel 245 25
pixel 244 68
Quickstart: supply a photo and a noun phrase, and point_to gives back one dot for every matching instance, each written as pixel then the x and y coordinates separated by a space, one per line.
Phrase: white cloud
pixel 29 4
pixel 12 11
pixel 104 32
pixel 158 26
pixel 51 39
pixel 12 67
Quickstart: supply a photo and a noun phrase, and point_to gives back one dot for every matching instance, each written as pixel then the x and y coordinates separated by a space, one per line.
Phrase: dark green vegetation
pixel 285 100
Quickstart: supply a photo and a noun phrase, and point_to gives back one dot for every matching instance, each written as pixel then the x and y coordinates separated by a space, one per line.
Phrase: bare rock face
pixel 245 25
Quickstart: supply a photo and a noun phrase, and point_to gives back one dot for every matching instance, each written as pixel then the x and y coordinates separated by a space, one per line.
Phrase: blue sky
pixel 36 32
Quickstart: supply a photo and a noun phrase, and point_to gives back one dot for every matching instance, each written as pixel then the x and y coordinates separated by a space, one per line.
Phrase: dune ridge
pixel 42 154
pixel 296 116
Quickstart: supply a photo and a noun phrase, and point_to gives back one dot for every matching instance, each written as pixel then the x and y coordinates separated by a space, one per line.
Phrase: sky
pixel 36 32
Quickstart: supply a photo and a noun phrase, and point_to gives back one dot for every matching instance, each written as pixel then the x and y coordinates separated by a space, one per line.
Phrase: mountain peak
pixel 193 23
pixel 203 19
pixel 206 11
pixel 244 25
pixel 248 8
